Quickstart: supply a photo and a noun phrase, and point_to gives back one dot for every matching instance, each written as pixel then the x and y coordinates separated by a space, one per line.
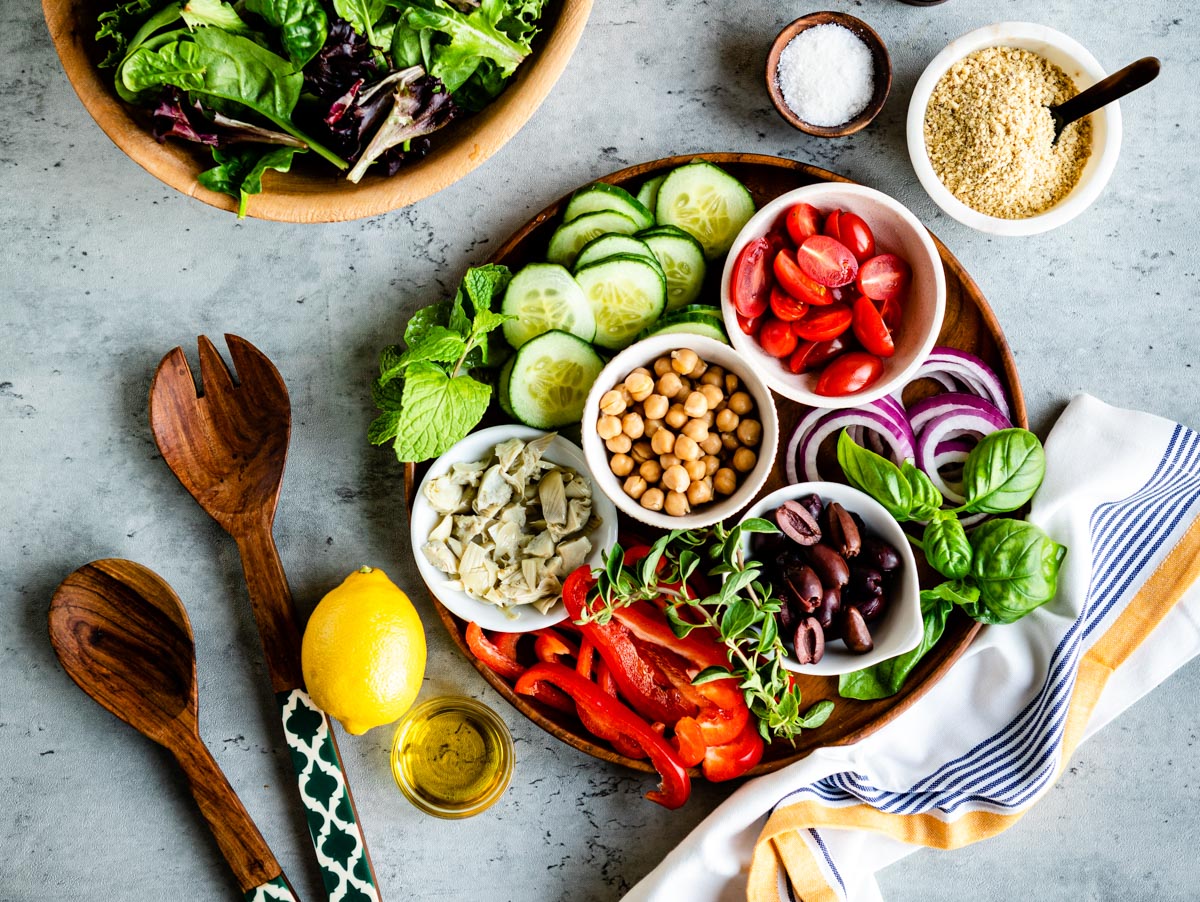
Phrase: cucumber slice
pixel 682 260
pixel 648 193
pixel 502 387
pixel 602 196
pixel 541 297
pixel 691 313
pixel 550 379
pixel 627 294
pixel 702 325
pixel 570 237
pixel 707 203
pixel 611 245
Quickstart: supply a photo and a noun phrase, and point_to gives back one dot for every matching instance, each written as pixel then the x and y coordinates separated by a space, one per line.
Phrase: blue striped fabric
pixel 1010 767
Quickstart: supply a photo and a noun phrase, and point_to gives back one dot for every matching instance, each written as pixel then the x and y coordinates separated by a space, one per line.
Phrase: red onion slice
pixel 924 412
pixel 958 422
pixel 817 425
pixel 968 370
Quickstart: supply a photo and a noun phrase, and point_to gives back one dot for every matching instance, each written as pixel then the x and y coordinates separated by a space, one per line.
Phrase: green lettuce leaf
pixel 473 37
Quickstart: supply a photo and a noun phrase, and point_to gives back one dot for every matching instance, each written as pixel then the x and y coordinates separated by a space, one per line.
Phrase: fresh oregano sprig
pixel 742 612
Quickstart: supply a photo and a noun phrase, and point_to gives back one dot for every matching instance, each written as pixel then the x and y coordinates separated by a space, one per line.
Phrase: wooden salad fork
pixel 228 446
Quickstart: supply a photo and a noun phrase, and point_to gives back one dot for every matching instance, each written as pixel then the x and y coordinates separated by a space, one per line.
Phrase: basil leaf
pixel 946 546
pixel 709 674
pixel 959 591
pixel 875 475
pixel 303 26
pixel 926 499
pixel 1016 569
pixel 1003 471
pixel 887 678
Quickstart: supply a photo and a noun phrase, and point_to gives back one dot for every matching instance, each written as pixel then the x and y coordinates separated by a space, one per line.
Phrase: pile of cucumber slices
pixel 618 268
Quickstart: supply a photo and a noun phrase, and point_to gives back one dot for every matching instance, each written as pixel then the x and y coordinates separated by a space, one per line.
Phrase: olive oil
pixel 452 757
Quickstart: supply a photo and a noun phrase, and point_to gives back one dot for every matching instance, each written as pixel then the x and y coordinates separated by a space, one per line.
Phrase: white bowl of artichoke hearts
pixel 501 519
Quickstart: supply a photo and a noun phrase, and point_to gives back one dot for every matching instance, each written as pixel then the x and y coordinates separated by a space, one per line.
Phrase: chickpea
pixel 712 395
pixel 741 403
pixel 708 419
pixel 651 471
pixel 749 433
pixel 695 430
pixel 669 384
pixel 642 451
pixel 619 444
pixel 634 487
pixel 650 427
pixel 633 425
pixel 684 361
pixel 662 366
pixel 685 388
pixel 686 448
pixel 621 464
pixel 727 420
pixel 676 505
pixel 712 444
pixel 725 481
pixel 700 492
pixel 608 427
pixel 711 464
pixel 698 370
pixel 655 407
pixel 744 460
pixel 729 441
pixel 714 375
pixel 696 405
pixel 640 385
pixel 612 403
pixel 695 469
pixel 676 416
pixel 652 499
pixel 641 369
pixel 666 461
pixel 625 395
pixel 676 479
pixel 663 441
pixel 731 383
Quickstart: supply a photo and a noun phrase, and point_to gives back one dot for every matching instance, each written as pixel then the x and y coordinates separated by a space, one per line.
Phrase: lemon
pixel 363 654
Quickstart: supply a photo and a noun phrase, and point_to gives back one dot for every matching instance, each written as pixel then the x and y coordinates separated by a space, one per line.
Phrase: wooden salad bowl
pixel 313 191
pixel 969 325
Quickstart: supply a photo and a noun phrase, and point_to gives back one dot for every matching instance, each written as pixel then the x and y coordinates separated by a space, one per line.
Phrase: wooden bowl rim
pixel 990 323
pixel 882 66
pixel 298 196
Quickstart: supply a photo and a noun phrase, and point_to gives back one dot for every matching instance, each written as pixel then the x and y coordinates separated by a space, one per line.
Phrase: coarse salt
pixel 826 74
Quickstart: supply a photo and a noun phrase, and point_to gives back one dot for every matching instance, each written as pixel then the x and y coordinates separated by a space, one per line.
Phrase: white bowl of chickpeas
pixel 679 432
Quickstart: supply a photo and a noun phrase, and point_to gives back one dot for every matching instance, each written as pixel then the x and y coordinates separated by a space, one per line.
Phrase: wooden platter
pixel 969 325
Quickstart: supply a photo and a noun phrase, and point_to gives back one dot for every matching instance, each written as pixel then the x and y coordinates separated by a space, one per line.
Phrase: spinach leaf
pixel 946 546
pixel 216 13
pixel 888 677
pixel 406 46
pixel 239 172
pixel 303 26
pixel 1016 569
pixel 875 475
pixel 473 37
pixel 926 499
pixel 361 14
pixel 1003 471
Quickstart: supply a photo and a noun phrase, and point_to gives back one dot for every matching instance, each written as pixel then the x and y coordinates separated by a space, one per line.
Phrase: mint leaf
pixel 458 319
pixel 440 345
pixel 425 319
pixel 483 283
pixel 436 411
pixel 384 427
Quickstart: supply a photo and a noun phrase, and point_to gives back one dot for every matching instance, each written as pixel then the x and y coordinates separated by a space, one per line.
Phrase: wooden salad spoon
pixel 228 447
pixel 123 636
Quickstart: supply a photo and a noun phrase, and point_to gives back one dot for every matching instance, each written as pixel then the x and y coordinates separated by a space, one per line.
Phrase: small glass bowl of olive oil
pixel 452 756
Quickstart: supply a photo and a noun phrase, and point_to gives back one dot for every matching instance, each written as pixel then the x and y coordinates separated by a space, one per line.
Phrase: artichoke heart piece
pixel 445 495
pixel 553 496
pixel 438 554
pixel 494 492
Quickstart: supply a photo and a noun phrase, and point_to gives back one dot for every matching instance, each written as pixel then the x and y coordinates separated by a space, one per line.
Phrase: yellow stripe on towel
pixel 780 843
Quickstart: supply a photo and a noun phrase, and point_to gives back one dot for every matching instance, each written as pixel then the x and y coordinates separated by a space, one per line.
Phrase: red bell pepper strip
pixel 490 654
pixel 726 762
pixel 550 646
pixel 689 741
pixel 587 655
pixel 623 746
pixel 723 712
pixel 551 697
pixel 675 786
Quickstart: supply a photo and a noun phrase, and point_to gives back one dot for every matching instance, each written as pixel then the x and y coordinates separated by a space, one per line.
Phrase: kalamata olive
pixel 879 554
pixel 766 546
pixel 788 617
pixel 871 608
pixel 797 523
pixel 841 531
pixel 799 585
pixel 827 610
pixel 854 631
pixel 810 641
pixel 830 567
pixel 813 504
pixel 865 582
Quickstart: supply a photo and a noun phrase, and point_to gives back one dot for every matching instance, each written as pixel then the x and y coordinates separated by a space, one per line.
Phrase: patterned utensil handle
pixel 276 890
pixel 328 805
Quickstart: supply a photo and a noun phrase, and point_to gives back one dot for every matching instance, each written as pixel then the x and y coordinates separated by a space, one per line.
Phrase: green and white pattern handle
pixel 328 805
pixel 276 890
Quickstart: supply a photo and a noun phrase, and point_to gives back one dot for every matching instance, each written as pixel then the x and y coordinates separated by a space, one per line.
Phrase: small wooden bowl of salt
pixel 828 74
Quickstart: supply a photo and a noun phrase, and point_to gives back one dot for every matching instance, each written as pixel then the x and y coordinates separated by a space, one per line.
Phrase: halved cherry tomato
pixel 827 261
pixel 870 329
pixel 853 232
pixel 750 287
pixel 891 312
pixel 849 373
pixel 803 220
pixel 784 306
pixel 793 280
pixel 725 762
pixel 831 225
pixel 813 354
pixel 776 337
pixel 823 323
pixel 885 277
pixel 750 324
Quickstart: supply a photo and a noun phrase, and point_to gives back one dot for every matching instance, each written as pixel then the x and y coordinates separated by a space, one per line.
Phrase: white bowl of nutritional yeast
pixel 1083 68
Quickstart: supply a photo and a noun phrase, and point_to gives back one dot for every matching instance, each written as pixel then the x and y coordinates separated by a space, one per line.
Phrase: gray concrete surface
pixel 103 269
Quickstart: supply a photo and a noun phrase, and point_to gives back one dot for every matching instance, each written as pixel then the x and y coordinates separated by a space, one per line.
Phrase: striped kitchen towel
pixel 1122 492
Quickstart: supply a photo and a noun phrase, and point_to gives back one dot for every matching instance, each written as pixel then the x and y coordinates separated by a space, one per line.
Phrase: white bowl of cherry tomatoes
pixel 834 293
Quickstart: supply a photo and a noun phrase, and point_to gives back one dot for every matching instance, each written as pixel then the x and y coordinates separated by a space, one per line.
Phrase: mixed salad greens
pixel 357 82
